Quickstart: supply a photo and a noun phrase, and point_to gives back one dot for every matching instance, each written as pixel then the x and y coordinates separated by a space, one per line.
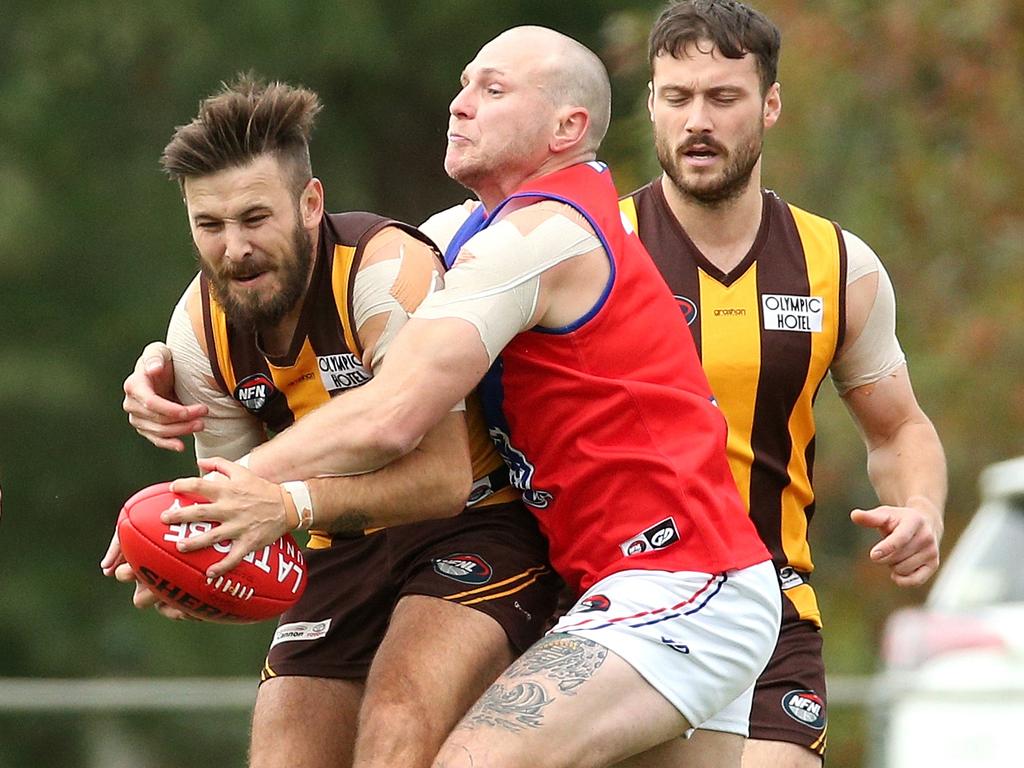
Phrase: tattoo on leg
pixel 512 708
pixel 567 659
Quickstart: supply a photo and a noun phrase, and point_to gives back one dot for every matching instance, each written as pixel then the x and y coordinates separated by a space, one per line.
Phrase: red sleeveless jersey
pixel 609 426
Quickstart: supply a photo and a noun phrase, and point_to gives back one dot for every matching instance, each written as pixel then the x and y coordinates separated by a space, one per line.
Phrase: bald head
pixel 569 73
pixel 532 101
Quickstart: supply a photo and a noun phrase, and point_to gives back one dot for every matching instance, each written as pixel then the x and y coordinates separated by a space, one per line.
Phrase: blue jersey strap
pixel 477 220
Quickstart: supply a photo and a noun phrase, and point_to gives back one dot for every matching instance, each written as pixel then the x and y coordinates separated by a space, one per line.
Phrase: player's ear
pixel 772 105
pixel 311 203
pixel 571 128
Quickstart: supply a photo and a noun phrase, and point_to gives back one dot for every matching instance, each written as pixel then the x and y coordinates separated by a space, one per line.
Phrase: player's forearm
pixel 430 482
pixel 431 366
pixel 336 439
pixel 909 469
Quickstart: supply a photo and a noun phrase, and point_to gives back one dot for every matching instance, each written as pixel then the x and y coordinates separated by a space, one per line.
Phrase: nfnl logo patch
pixel 254 392
pixel 341 371
pixel 805 707
pixel 465 568
pixel 659 536
pixel 802 314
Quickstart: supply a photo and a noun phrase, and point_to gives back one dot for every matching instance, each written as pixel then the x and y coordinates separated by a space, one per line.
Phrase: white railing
pixel 131 694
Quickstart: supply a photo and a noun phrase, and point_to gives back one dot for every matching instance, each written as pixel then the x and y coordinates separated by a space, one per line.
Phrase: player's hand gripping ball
pixel 263 585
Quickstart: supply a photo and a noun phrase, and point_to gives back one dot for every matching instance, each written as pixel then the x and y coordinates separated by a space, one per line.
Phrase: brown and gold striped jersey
pixel 766 333
pixel 325 356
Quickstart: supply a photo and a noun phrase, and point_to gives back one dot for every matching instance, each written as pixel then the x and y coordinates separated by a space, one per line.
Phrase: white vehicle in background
pixel 953 682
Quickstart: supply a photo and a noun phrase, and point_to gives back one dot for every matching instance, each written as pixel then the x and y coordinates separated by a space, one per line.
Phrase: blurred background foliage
pixel 901 120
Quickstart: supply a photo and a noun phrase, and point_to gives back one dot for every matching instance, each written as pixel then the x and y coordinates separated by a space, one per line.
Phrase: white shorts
pixel 699 639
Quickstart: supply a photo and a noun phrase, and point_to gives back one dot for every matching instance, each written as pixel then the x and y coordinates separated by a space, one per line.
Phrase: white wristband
pixel 299 492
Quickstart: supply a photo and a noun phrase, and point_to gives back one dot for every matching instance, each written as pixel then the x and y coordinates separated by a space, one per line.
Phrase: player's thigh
pixel 704 749
pixel 789 712
pixel 436 659
pixel 778 754
pixel 304 722
pixel 567 701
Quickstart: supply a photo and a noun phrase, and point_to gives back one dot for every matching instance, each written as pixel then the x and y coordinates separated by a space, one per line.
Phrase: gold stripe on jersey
pixel 731 355
pixel 821 247
pixel 341 281
pixel 805 602
pixel 318 540
pixel 628 208
pixel 482 454
pixel 301 382
pixel 219 323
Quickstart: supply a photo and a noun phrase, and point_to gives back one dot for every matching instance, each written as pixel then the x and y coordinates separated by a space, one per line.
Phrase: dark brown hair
pixel 734 28
pixel 244 120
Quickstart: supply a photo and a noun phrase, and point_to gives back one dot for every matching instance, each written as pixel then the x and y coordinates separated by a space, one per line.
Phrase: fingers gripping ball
pixel 263 585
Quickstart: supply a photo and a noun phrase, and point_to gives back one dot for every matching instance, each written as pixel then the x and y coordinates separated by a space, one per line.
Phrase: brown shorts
pixel 789 697
pixel 492 559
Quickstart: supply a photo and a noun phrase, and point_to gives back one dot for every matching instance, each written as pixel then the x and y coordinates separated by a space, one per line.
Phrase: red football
pixel 263 585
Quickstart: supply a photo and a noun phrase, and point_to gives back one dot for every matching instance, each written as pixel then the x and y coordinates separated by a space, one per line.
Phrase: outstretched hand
pixel 251 511
pixel 151 405
pixel 910 539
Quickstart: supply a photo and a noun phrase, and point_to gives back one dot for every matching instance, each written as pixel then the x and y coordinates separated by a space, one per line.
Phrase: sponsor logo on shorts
pixel 805 707
pixel 464 568
pixel 659 536
pixel 688 307
pixel 592 603
pixel 341 371
pixel 789 578
pixel 301 630
pixel 254 392
pixel 675 645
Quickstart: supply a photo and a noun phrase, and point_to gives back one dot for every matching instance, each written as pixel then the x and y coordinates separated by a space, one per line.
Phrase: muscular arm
pixel 430 367
pixel 906 463
pixel 501 285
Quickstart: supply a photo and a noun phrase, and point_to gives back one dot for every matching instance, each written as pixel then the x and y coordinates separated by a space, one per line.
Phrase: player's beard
pixel 726 185
pixel 247 308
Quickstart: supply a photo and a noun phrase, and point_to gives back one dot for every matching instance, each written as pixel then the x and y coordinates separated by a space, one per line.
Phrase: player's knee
pixel 398 733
